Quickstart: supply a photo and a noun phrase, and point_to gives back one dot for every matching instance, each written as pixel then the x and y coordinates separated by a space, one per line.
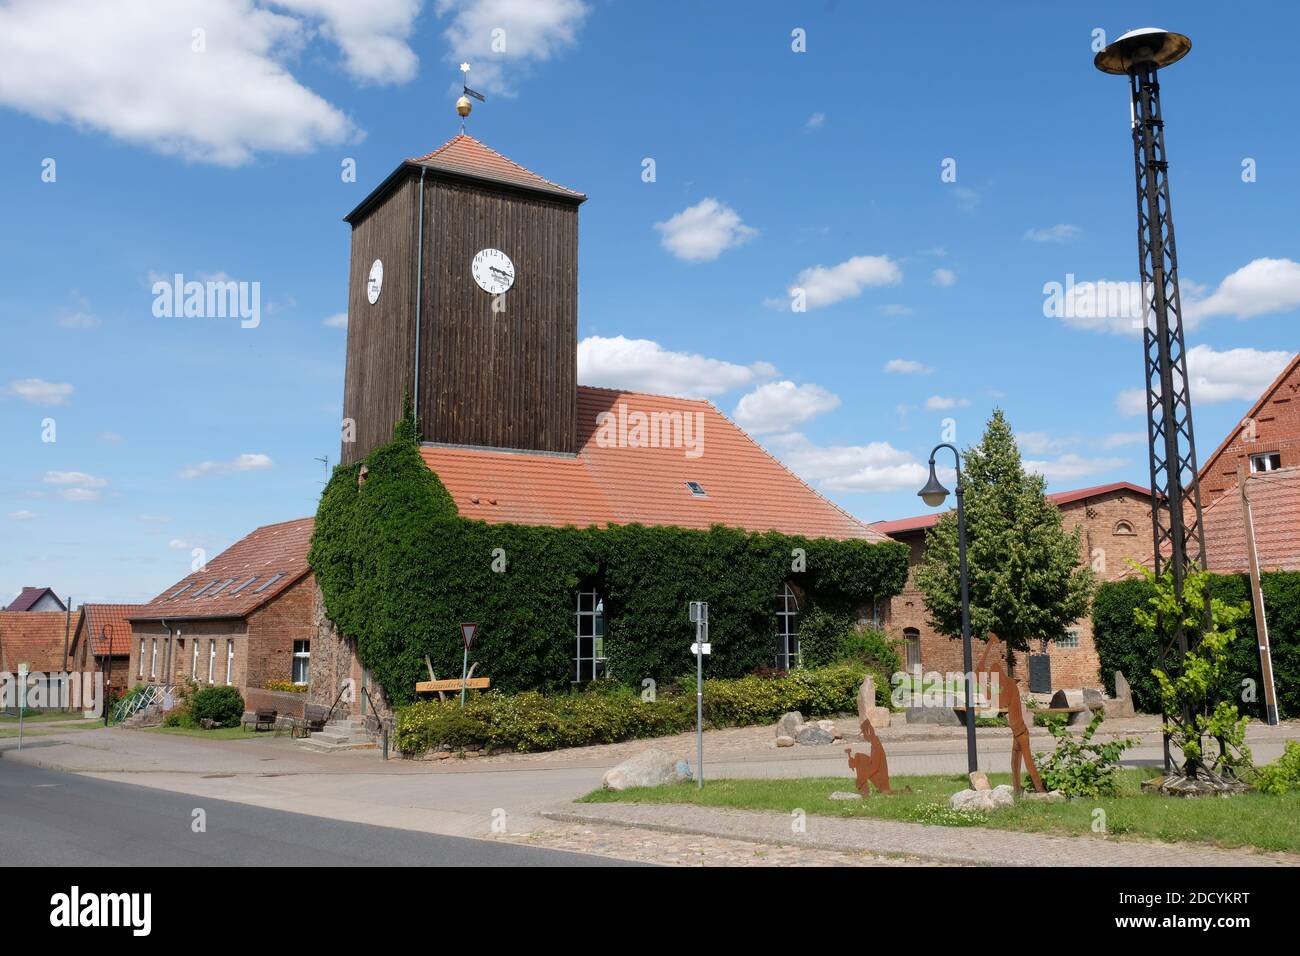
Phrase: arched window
pixel 787 628
pixel 1124 527
pixel 912 642
pixel 589 656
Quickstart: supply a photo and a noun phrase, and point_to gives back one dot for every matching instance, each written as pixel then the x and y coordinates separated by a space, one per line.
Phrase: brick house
pixel 38 639
pixel 37 599
pixel 1116 523
pixel 244 620
pixel 101 639
pixel 1267 439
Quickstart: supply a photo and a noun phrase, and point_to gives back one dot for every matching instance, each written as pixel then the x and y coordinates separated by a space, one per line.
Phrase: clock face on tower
pixel 493 271
pixel 376 282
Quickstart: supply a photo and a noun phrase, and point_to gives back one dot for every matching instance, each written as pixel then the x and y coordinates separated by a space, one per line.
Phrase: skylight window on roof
pixel 204 588
pixel 268 582
pixel 697 489
pixel 222 586
pixel 179 591
pixel 241 585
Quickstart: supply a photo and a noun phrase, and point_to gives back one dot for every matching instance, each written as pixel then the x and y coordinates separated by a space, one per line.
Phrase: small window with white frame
pixel 1265 461
pixel 153 659
pixel 212 659
pixel 589 661
pixel 301 662
pixel 1069 641
pixel 788 656
pixel 140 670
pixel 230 661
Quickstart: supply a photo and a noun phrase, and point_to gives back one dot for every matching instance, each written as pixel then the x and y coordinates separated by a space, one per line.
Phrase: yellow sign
pixel 474 683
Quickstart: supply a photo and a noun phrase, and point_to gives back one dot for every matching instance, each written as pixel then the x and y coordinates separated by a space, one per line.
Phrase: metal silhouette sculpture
pixel 870 768
pixel 1005 695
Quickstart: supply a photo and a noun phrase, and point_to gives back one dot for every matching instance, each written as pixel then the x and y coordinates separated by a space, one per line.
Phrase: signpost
pixel 467 632
pixel 22 699
pixel 700 618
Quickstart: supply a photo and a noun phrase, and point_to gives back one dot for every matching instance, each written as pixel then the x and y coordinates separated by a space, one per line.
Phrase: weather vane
pixel 464 106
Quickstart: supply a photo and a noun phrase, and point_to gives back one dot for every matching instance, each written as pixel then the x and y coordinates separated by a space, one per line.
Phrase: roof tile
pixel 35 638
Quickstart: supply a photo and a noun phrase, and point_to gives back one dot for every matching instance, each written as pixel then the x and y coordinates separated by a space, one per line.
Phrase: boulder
pixel 979 780
pixel 845 795
pixel 814 735
pixel 982 800
pixel 789 724
pixel 649 768
pixel 1052 796
pixel 1080 719
pixel 1122 704
pixel 940 716
pixel 785 741
pixel 830 728
pixel 1094 699
pixel 879 716
pixel 867 699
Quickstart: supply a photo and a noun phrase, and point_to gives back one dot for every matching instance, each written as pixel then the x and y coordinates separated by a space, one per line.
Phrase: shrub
pixel 225 705
pixel 287 686
pixel 1078 767
pixel 609 713
pixel 1283 775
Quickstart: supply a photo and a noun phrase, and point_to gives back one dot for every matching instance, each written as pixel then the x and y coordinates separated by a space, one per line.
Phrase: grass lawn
pixel 1253 820
pixel 221 733
pixel 9 728
pixel 49 716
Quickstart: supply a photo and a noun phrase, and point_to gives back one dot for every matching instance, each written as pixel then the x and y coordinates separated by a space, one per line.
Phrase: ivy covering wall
pixel 400 570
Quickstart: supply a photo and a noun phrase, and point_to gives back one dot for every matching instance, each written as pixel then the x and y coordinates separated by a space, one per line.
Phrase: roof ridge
pixel 465 137
pixel 628 391
pixel 1259 403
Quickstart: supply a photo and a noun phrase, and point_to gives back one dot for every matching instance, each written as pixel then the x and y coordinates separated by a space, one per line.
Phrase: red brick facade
pixel 1271 426
pixel 1116 522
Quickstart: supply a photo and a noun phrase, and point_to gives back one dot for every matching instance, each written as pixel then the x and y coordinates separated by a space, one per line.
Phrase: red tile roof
pixel 1275 512
pixel 113 620
pixel 921 522
pixel 1292 367
pixel 29 596
pixel 604 483
pixel 465 156
pixel 35 638
pixel 216 591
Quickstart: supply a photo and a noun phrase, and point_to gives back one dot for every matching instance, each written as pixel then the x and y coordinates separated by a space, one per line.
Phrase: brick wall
pixel 1116 530
pixel 333 661
pixel 1275 427
pixel 273 629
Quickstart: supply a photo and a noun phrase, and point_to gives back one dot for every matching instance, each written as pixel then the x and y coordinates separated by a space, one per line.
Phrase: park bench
pixel 312 721
pixel 263 719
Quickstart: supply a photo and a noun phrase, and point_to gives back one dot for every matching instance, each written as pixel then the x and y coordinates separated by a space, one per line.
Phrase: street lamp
pixel 934 494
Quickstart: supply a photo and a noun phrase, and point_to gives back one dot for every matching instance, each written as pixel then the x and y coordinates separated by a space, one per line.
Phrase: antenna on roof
pixel 464 106
pixel 326 462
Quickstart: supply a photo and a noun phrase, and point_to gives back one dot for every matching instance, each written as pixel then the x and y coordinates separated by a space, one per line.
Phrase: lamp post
pixel 106 673
pixel 934 494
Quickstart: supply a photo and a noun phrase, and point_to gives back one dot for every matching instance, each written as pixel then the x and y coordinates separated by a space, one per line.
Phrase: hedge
pixel 608 712
pixel 399 570
pixel 1122 645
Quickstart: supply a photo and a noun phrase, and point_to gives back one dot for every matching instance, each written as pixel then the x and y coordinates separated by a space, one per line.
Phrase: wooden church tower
pixel 463 295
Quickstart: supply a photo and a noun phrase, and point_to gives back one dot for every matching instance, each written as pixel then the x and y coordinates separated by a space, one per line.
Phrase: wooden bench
pixel 312 721
pixel 263 719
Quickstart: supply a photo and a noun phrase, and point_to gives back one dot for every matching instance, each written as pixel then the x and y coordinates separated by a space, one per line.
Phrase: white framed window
pixel 212 658
pixel 230 661
pixel 787 629
pixel 140 671
pixel 194 665
pixel 912 644
pixel 1070 641
pixel 589 656
pixel 301 662
pixel 1266 461
pixel 153 659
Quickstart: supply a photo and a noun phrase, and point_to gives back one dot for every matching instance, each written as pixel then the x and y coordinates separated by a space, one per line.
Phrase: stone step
pixel 320 744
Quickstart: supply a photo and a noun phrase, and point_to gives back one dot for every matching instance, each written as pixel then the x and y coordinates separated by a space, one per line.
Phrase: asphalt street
pixel 48 818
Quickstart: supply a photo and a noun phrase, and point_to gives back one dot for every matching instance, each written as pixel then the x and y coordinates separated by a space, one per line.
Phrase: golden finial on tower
pixel 464 105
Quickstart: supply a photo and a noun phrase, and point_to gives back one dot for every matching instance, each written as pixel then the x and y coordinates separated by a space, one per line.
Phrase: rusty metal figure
pixel 1007 697
pixel 870 768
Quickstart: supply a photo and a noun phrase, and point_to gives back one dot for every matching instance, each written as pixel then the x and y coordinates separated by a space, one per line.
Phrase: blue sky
pixel 773 169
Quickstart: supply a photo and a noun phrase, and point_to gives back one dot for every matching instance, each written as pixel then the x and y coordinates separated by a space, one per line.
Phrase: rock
pixel 940 716
pixel 789 724
pixel 867 699
pixel 785 741
pixel 845 795
pixel 1052 796
pixel 1080 719
pixel 830 728
pixel 1122 704
pixel 982 800
pixel 1066 698
pixel 979 780
pixel 814 734
pixel 879 716
pixel 649 768
pixel 1094 699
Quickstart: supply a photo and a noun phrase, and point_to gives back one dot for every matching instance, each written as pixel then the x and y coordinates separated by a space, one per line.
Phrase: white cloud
pixel 943 277
pixel 372 35
pixel 826 285
pixel 180 544
pixel 902 366
pixel 701 232
pixel 40 392
pixel 1232 374
pixel 21 515
pixel 939 403
pixel 128 69
pixel 76 485
pixel 1061 232
pixel 1071 466
pixel 1261 287
pixel 245 462
pixel 337 321
pixel 1041 443
pixel 1131 401
pixel 646 366
pixel 534 31
pixel 1099 306
pixel 779 406
pixel 1120 439
pixel 816 121
pixel 874 467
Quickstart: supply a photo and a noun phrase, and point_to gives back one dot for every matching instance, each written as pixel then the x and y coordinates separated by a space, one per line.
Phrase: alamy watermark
pixel 217 298
pixel 637 429
pixel 55 690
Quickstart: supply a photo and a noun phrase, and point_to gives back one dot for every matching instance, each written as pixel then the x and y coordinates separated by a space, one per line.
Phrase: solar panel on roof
pixel 268 582
pixel 220 587
pixel 204 588
pixel 179 591
pixel 242 584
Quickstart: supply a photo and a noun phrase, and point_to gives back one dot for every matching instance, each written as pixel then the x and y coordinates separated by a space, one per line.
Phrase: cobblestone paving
pixel 688 849
pixel 967 845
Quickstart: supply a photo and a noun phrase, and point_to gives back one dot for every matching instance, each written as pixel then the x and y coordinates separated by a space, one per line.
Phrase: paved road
pixel 58 819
